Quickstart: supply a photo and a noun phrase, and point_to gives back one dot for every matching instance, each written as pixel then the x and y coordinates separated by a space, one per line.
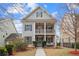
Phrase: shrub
pixel 58 47
pixel 43 43
pixel 58 44
pixel 35 43
pixel 77 45
pixel 9 49
pixel 21 47
pixel 3 51
pixel 72 45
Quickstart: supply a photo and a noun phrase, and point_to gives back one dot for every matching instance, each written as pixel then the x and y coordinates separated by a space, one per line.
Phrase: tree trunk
pixel 75 44
pixel 75 34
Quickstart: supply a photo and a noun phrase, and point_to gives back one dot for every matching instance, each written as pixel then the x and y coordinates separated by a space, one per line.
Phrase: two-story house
pixel 39 26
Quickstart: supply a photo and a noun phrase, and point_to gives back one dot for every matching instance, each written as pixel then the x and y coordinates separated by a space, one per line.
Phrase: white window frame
pixel 28 27
pixel 29 39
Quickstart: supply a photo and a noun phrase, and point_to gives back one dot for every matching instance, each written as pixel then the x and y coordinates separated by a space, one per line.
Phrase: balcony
pixel 42 28
pixel 42 31
pixel 49 30
pixel 39 31
pixel 39 28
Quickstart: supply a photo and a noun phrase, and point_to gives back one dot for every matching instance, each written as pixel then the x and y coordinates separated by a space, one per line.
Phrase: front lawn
pixel 28 52
pixel 58 52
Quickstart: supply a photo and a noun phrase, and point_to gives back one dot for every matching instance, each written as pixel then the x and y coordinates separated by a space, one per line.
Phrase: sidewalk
pixel 40 52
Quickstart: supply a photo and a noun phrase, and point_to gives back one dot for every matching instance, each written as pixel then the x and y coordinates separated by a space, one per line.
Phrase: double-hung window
pixel 39 14
pixel 29 40
pixel 49 40
pixel 28 27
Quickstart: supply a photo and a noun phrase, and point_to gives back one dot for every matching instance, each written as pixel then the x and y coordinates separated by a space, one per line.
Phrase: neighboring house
pixel 67 29
pixel 39 26
pixel 14 38
pixel 6 28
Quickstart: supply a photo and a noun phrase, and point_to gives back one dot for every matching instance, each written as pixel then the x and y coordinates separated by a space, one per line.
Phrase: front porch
pixel 50 40
pixel 46 40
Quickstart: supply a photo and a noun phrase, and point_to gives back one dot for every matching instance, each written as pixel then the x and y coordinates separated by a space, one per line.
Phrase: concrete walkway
pixel 40 52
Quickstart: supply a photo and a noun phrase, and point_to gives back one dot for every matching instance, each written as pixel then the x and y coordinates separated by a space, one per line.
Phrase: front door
pixel 39 41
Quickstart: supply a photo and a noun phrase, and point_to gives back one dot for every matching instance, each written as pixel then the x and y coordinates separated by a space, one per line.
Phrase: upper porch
pixel 44 28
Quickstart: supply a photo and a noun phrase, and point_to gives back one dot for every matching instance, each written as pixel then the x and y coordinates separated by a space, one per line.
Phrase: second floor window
pixel 28 27
pixel 39 14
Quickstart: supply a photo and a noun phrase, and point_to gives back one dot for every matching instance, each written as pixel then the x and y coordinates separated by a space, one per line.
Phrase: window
pixel 29 40
pixel 39 14
pixel 49 40
pixel 28 27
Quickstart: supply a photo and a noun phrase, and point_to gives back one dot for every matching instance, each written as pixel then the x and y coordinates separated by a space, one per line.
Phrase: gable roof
pixel 37 9
pixel 3 20
pixel 12 37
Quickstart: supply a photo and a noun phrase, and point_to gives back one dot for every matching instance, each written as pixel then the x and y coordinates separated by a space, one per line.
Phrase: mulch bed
pixel 74 52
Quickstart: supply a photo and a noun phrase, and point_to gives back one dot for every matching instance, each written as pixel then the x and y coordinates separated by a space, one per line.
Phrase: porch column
pixel 45 28
pixel 33 37
pixel 44 31
pixel 55 41
pixel 44 37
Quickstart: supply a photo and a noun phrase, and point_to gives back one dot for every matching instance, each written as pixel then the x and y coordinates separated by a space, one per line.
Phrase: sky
pixel 18 11
pixel 24 9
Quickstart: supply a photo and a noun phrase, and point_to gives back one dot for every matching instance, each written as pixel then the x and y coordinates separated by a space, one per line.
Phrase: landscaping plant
pixel 9 49
pixel 3 51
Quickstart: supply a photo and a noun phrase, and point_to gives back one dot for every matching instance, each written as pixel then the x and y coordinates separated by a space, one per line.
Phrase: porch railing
pixel 39 30
pixel 49 30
